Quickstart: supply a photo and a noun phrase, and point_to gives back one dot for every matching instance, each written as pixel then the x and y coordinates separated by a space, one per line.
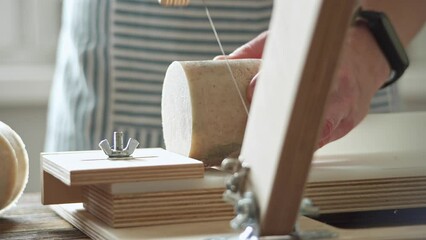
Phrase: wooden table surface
pixel 31 220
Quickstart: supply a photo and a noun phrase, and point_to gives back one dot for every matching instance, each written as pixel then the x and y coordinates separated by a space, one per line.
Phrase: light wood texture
pixel 93 167
pixel 160 208
pixel 203 116
pixel 367 195
pixel 159 202
pixel 381 164
pixel 300 58
pixel 66 172
pixel 96 229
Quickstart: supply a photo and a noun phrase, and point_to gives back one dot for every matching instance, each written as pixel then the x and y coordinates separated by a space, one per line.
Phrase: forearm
pixel 407 16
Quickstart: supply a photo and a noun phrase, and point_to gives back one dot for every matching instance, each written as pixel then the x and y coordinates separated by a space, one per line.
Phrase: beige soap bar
pixel 13 167
pixel 203 116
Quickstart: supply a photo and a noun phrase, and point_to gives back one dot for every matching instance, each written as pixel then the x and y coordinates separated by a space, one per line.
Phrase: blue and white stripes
pixel 146 38
pixel 113 57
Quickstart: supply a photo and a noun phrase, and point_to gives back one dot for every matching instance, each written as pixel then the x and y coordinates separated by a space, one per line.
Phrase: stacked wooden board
pixel 154 187
pixel 366 195
pixel 96 229
pixel 159 203
pixel 380 165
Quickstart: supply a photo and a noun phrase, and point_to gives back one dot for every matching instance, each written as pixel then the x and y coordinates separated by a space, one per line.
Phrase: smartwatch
pixel 388 41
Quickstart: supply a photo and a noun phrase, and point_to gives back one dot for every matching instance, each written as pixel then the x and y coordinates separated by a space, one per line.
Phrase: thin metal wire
pixel 226 58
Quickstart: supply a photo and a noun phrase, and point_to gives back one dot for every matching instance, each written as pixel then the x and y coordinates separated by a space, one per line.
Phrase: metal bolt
pixel 118 141
pixel 117 151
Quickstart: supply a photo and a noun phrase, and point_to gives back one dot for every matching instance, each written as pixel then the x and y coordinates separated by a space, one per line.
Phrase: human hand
pixel 362 70
pixel 252 49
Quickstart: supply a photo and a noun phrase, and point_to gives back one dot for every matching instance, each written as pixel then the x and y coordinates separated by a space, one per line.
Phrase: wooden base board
pixel 96 229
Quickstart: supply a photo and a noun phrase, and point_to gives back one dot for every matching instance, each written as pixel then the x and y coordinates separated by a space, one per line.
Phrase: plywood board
pixel 159 202
pixel 300 59
pixel 94 228
pixel 155 208
pixel 94 167
pixel 381 164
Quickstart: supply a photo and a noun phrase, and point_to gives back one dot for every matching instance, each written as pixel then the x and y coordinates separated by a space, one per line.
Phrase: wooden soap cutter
pixel 268 181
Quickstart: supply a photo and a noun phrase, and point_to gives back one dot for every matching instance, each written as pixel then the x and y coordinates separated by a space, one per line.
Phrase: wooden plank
pixel 155 208
pixel 379 165
pixel 94 167
pixel 300 59
pixel 96 229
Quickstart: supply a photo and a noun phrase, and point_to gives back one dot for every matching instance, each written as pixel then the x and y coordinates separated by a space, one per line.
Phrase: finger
pixel 252 49
pixel 220 57
pixel 250 88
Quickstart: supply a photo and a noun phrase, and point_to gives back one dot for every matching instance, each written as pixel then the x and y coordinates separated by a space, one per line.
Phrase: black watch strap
pixel 388 41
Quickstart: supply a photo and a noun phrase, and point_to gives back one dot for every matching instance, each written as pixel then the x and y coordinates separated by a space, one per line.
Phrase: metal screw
pixel 117 151
pixel 118 141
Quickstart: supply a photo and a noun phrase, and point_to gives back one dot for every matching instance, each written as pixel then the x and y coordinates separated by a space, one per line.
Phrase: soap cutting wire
pixel 226 58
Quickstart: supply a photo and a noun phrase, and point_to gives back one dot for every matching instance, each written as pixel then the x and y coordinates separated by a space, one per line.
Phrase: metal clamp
pixel 247 218
pixel 246 207
pixel 117 151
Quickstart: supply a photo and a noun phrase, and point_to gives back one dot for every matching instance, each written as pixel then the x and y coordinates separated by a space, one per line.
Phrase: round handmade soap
pixel 203 116
pixel 14 167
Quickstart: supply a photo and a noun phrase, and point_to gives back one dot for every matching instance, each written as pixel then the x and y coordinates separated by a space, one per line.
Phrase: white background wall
pixel 412 85
pixel 24 83
pixel 28 35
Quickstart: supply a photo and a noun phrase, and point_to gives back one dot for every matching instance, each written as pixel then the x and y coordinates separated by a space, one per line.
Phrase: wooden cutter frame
pixel 300 60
